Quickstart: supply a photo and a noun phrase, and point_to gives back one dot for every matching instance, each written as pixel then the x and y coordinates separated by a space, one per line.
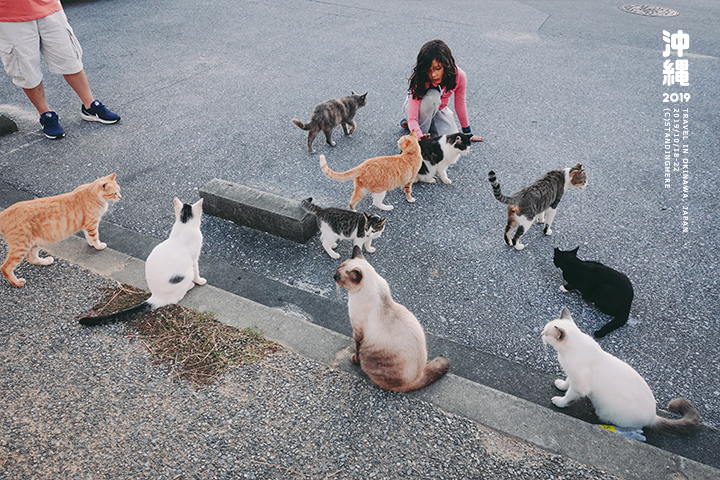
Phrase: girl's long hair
pixel 432 50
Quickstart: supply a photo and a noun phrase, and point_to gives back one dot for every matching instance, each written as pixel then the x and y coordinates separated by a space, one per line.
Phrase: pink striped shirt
pixel 460 107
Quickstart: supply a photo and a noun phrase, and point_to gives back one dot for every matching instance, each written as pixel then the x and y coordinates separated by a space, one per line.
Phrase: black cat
pixel 610 290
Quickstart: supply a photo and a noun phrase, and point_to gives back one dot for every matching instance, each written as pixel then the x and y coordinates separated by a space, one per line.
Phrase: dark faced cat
pixel 539 200
pixel 330 114
pixel 610 290
pixel 338 224
pixel 439 153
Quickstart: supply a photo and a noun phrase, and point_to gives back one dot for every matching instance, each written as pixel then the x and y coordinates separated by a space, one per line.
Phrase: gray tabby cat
pixel 337 224
pixel 539 200
pixel 329 114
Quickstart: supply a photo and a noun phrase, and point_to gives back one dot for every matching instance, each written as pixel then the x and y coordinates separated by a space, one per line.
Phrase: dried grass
pixel 196 347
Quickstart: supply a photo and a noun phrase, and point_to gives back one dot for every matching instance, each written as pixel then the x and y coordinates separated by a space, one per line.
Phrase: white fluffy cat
pixel 389 341
pixel 618 393
pixel 171 269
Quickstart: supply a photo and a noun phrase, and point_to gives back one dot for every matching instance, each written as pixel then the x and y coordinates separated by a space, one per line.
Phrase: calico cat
pixel 331 113
pixel 380 174
pixel 40 222
pixel 171 269
pixel 389 341
pixel 338 224
pixel 610 290
pixel 619 394
pixel 539 200
pixel 439 153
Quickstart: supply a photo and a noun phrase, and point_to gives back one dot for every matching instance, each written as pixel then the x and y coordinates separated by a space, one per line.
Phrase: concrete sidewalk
pixel 536 425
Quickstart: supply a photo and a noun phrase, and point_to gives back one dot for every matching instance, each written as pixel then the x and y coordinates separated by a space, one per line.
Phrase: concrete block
pixel 7 126
pixel 246 206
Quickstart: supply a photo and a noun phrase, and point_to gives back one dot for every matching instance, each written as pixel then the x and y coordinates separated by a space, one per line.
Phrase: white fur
pixel 176 256
pixel 450 157
pixel 329 240
pixel 618 393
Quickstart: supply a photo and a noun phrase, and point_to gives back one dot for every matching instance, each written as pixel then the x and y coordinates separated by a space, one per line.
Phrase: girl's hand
pixel 475 138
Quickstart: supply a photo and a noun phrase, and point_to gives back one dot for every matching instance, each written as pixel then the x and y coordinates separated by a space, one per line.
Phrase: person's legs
pixel 79 83
pixel 428 110
pixel 444 122
pixel 37 98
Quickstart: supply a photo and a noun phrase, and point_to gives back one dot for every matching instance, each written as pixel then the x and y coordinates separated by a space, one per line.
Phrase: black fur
pixel 177 279
pixel 186 214
pixel 610 291
pixel 122 315
pixel 432 151
pixel 345 222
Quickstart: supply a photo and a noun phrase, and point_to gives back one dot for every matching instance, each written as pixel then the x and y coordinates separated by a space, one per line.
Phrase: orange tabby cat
pixel 380 174
pixel 36 223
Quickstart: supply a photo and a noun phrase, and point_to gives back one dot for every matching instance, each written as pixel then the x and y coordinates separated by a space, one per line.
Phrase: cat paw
pixel 559 402
pixel 43 261
pixel 370 249
pixel 382 206
pixel 563 289
pixel 100 245
pixel 561 384
pixel 199 281
pixel 519 246
pixel 446 181
pixel 411 200
pixel 334 255
pixel 426 180
pixel 18 282
pixel 354 359
pixel 548 231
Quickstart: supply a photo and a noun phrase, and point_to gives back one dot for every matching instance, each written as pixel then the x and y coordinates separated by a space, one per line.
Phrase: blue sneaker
pixel 98 113
pixel 51 125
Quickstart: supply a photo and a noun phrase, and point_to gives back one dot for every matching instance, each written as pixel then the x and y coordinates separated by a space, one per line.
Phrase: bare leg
pixel 37 97
pixel 79 83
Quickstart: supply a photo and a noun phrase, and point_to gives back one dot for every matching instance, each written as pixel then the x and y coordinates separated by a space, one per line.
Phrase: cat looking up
pixel 378 175
pixel 31 224
pixel 171 269
pixel 540 199
pixel 389 341
pixel 619 394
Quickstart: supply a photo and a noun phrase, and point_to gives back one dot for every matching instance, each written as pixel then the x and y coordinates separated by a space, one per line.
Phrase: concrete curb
pixel 7 126
pixel 545 428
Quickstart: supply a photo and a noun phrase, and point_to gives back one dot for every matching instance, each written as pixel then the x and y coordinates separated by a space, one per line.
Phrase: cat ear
pixel 357 253
pixel 565 314
pixel 575 250
pixel 559 333
pixel 112 176
pixel 355 276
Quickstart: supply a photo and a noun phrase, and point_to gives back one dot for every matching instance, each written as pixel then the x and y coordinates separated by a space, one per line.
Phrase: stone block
pixel 249 207
pixel 7 126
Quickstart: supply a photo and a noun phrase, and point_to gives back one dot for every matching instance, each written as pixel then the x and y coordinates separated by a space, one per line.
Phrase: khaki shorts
pixel 21 45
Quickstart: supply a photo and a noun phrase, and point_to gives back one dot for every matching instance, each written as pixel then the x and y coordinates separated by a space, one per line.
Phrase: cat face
pixel 350 274
pixel 360 99
pixel 108 188
pixel 460 141
pixel 374 225
pixel 407 141
pixel 556 332
pixel 578 177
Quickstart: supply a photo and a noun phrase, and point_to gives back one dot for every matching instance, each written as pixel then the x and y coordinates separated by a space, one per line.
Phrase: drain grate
pixel 649 11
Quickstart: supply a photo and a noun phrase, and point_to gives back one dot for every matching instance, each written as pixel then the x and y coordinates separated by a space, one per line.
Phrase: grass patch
pixel 197 347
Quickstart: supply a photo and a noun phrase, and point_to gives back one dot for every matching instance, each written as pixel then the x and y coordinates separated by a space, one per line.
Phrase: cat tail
pixel 342 177
pixel 304 126
pixel 433 371
pixel 122 315
pixel 496 190
pixel 689 422
pixel 309 206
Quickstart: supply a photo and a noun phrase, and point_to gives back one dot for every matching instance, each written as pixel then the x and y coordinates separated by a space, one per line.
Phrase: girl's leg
pixel 444 122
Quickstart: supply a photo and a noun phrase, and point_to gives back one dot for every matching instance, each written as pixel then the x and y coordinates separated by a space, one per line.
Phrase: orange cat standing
pixel 380 174
pixel 31 224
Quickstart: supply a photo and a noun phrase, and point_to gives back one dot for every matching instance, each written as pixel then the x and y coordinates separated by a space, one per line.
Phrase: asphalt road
pixel 207 90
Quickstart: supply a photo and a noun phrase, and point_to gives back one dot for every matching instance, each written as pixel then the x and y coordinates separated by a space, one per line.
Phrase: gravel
pixel 92 403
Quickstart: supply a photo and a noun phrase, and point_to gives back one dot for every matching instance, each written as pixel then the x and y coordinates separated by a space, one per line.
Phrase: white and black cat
pixel 171 269
pixel 610 290
pixel 538 200
pixel 618 393
pixel 339 224
pixel 331 113
pixel 439 153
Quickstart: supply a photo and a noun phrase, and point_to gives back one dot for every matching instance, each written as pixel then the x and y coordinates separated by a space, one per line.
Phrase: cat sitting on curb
pixel 171 269
pixel 389 341
pixel 331 113
pixel 339 224
pixel 31 224
pixel 619 394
